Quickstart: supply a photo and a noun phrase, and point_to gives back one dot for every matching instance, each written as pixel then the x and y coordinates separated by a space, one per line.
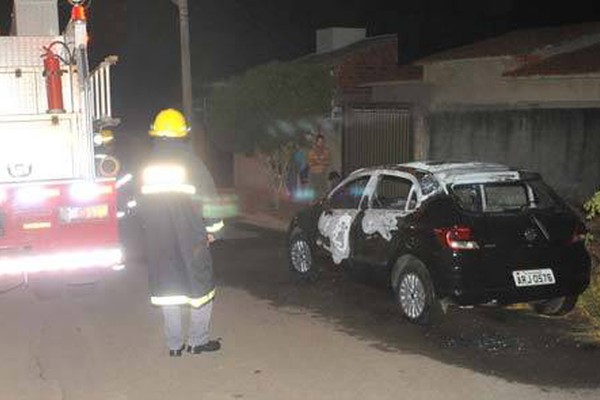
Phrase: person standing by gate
pixel 318 164
pixel 174 186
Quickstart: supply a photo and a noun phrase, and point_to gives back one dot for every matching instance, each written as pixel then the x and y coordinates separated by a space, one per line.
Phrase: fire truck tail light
pixel 85 191
pixel 35 195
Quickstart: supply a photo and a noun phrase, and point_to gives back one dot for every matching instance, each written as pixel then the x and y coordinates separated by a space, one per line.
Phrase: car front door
pixel 339 216
pixel 394 198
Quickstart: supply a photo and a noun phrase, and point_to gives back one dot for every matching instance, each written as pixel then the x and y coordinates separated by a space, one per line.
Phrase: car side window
pixel 392 193
pixel 349 195
pixel 468 197
pixel 412 201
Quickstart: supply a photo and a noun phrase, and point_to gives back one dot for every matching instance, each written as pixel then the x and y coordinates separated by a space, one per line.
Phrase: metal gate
pixel 376 134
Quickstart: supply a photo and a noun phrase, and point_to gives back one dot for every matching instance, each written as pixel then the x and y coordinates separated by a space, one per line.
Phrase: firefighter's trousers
pixel 198 327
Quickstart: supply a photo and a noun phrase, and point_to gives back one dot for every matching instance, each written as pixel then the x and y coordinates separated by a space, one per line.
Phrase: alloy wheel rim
pixel 301 258
pixel 412 296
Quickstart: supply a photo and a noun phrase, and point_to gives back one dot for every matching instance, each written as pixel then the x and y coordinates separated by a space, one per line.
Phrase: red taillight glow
pixel 85 191
pixel 35 195
pixel 457 238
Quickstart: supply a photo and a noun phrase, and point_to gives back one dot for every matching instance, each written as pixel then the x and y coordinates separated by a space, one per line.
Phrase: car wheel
pixel 415 294
pixel 556 307
pixel 300 255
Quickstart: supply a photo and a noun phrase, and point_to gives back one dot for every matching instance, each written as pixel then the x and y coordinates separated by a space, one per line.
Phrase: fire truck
pixel 57 187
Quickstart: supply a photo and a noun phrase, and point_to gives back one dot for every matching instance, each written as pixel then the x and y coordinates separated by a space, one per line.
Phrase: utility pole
pixel 197 134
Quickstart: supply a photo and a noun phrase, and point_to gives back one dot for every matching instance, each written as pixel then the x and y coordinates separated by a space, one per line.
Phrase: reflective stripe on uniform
pixel 216 227
pixel 181 300
pixel 166 178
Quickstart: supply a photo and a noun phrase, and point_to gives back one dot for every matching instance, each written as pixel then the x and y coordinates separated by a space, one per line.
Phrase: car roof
pixel 449 172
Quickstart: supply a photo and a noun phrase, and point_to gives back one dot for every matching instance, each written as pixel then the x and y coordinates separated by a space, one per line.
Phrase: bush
pixel 267 107
pixel 267 110
pixel 590 300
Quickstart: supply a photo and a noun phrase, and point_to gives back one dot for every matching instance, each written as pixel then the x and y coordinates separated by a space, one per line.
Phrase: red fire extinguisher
pixel 53 82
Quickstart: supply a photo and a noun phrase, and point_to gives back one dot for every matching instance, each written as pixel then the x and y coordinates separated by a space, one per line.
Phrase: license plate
pixel 534 277
pixel 72 214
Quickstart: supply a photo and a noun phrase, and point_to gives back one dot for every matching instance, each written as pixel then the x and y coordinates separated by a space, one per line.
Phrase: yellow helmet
pixel 169 123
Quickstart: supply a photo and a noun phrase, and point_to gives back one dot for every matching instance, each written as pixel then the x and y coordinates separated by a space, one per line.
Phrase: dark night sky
pixel 231 35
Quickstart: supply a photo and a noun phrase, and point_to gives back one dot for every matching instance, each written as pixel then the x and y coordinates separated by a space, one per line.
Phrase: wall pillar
pixel 421 139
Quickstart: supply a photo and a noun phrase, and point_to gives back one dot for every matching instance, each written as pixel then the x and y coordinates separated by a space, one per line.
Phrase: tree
pixel 268 110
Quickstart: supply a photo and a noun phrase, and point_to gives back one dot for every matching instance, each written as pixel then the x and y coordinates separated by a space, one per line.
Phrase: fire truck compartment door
pixel 41 149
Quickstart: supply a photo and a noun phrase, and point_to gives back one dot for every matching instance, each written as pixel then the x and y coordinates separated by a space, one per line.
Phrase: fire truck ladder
pixel 100 93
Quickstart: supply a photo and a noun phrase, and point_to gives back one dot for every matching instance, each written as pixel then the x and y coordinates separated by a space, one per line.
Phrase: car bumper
pixel 510 295
pixel 466 284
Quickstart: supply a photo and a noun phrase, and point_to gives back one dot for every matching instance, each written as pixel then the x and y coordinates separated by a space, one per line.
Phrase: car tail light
pixel 457 238
pixel 579 234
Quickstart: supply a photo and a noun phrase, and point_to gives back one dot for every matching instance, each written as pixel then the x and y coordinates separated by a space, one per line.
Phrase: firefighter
pixel 174 187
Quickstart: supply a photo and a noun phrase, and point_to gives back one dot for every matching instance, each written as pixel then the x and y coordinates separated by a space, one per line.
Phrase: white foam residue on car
pixel 484 177
pixel 336 227
pixel 383 222
pixel 468 172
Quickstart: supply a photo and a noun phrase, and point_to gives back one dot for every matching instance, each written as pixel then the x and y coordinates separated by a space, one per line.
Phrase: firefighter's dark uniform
pixel 179 261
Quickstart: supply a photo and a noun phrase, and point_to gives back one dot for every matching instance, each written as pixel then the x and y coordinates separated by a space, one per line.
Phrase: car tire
pixel 300 256
pixel 556 307
pixel 415 294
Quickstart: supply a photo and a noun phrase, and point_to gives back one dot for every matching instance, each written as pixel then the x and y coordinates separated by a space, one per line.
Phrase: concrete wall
pixel 563 145
pixel 480 82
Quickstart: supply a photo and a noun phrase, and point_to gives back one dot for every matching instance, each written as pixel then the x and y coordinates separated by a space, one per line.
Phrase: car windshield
pixel 502 197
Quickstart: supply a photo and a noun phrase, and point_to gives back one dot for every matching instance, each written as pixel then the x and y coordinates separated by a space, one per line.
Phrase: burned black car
pixel 450 233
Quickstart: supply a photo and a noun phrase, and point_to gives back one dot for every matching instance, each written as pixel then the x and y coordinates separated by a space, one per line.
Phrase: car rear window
pixel 503 197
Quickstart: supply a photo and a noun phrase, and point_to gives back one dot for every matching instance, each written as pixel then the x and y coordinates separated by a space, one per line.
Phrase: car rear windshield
pixel 503 197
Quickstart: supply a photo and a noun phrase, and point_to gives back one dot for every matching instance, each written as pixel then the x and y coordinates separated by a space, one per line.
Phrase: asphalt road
pixel 339 337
